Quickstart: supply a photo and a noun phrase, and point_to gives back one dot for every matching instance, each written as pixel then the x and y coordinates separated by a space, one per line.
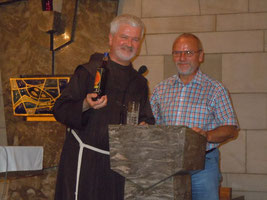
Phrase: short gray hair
pixel 188 35
pixel 126 19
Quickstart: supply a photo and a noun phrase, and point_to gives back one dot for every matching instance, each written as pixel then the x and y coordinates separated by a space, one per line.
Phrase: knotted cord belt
pixel 80 155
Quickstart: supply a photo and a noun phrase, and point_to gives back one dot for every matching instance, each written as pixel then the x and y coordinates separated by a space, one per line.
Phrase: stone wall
pixel 25 50
pixel 3 138
pixel 234 35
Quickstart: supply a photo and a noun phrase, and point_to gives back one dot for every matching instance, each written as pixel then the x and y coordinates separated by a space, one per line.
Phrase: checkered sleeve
pixel 155 105
pixel 224 112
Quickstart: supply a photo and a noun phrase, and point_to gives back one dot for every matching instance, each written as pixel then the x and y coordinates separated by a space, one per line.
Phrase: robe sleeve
pixel 68 107
pixel 145 108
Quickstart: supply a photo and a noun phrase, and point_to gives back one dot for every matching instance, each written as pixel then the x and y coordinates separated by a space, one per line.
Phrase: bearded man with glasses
pixel 193 99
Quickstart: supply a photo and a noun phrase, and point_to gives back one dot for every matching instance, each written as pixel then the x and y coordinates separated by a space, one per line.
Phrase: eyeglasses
pixel 186 53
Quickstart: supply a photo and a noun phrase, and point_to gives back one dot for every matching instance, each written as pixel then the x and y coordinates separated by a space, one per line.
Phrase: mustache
pixel 127 48
pixel 181 63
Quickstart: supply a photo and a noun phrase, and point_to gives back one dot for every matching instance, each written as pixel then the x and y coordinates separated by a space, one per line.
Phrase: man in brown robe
pixel 84 171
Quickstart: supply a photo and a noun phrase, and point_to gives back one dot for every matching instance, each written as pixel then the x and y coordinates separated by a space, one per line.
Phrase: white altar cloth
pixel 21 158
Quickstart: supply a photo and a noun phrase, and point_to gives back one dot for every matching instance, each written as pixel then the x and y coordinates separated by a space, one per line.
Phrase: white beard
pixel 125 57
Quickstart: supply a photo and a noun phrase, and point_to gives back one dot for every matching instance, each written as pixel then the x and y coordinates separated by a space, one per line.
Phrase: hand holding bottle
pixel 101 78
pixel 88 102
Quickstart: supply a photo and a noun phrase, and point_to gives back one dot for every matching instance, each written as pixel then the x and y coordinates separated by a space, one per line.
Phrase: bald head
pixel 190 36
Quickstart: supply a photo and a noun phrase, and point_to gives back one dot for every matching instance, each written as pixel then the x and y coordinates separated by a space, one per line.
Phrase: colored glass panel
pixel 36 96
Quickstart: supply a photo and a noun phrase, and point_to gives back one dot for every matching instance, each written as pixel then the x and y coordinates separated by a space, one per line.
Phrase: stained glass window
pixel 36 96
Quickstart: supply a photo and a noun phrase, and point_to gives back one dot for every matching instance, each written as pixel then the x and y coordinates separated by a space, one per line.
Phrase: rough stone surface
pixel 40 186
pixel 149 155
pixel 25 50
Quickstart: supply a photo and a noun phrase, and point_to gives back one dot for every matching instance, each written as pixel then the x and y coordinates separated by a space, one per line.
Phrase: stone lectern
pixel 155 160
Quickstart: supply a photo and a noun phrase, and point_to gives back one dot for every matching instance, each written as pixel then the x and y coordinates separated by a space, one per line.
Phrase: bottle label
pixel 98 77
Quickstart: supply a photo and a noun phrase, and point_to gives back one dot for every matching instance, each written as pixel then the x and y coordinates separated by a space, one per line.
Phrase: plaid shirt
pixel 202 103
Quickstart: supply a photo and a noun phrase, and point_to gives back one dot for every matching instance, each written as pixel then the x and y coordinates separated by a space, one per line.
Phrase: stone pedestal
pixel 155 160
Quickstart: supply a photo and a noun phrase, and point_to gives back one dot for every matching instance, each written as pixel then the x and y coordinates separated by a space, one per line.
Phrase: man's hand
pixel 88 102
pixel 200 131
pixel 219 134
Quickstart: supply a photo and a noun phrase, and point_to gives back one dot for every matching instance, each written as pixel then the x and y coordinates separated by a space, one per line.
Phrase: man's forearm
pixel 221 133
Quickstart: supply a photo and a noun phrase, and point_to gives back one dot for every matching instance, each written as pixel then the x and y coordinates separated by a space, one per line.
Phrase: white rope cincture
pixel 82 146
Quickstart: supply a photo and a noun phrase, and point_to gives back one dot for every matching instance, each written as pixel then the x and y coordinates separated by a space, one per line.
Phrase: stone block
pixel 225 6
pixel 248 21
pixel 169 67
pixel 213 42
pixel 233 155
pixel 148 156
pixel 227 42
pixel 256 154
pixel 160 44
pixel 224 180
pixel 247 182
pixel 130 7
pixel 245 72
pixel 251 110
pixel 257 5
pixel 180 24
pixel 155 66
pixel 158 8
pixel 143 49
pixel 212 66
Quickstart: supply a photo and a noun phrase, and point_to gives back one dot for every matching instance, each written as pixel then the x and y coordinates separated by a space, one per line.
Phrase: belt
pixel 80 155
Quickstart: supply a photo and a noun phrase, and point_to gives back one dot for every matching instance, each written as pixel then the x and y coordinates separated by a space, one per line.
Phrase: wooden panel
pixel 225 193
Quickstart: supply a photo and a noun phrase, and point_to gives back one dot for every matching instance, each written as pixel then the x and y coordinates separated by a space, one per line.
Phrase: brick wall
pixel 234 36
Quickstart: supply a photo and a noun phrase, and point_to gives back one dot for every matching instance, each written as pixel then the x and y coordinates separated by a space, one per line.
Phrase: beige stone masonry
pixel 233 155
pixel 242 21
pixel 257 151
pixel 143 50
pixel 169 67
pixel 130 7
pixel 251 110
pixel 213 42
pixel 245 72
pixel 236 41
pixel 257 5
pixel 225 6
pixel 163 8
pixel 234 36
pixel 247 182
pixel 160 44
pixel 180 24
pixel 212 66
pixel 155 65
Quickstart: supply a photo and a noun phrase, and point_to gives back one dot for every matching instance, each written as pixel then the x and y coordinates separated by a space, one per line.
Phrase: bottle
pixel 101 78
